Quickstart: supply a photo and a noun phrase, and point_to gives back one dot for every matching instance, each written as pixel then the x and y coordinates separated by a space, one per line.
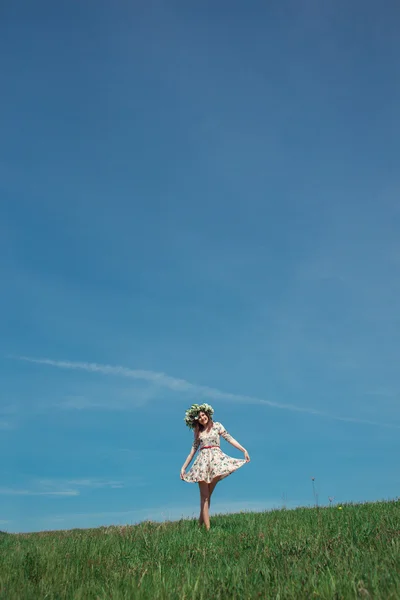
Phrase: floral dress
pixel 211 462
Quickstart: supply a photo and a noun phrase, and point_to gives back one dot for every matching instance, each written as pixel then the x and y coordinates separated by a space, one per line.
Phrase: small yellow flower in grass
pixel 340 507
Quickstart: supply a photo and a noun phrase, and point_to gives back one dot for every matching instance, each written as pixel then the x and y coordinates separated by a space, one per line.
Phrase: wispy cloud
pixel 60 487
pixel 16 492
pixel 183 386
pixel 87 483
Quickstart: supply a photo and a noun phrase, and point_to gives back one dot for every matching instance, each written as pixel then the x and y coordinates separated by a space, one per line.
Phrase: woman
pixel 211 464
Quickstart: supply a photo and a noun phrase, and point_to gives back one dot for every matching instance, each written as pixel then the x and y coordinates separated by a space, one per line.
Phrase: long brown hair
pixel 198 427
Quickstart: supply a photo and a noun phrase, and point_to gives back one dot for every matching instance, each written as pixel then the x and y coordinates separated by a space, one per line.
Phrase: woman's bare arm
pixel 227 436
pixel 236 444
pixel 195 445
pixel 189 458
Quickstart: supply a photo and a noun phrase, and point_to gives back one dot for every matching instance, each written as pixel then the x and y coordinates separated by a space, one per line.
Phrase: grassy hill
pixel 345 552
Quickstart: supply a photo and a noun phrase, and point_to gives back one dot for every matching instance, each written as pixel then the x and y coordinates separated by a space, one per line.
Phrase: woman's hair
pixel 198 427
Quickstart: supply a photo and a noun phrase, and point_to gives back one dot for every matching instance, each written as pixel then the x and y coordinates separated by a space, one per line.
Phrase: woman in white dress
pixel 211 464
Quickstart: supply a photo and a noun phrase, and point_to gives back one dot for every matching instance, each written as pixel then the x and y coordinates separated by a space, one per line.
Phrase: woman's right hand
pixel 182 472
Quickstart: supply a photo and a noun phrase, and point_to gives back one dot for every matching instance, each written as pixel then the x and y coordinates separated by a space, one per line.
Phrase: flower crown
pixel 192 414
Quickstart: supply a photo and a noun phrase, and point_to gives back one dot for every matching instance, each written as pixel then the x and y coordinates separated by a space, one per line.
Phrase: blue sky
pixel 198 202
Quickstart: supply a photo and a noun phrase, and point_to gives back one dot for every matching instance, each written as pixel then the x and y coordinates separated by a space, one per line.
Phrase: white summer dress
pixel 211 462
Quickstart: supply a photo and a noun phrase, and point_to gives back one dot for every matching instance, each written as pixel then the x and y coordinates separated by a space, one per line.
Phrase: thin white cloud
pixel 94 483
pixel 60 487
pixel 183 386
pixel 16 492
pixel 88 483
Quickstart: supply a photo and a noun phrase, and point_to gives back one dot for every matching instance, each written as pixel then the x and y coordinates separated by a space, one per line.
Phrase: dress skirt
pixel 210 463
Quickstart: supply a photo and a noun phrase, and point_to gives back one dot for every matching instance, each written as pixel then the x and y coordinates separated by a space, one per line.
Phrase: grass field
pixel 351 551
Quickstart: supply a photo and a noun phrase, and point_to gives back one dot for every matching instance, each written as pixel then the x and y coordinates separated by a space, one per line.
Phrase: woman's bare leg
pixel 204 498
pixel 211 487
pixel 201 520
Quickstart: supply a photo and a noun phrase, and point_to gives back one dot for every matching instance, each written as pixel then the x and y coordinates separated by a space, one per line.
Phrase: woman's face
pixel 203 419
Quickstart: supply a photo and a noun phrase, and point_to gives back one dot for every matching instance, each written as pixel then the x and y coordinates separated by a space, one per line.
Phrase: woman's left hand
pixel 246 455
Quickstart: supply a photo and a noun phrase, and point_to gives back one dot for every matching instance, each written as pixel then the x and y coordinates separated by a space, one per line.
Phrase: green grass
pixel 302 553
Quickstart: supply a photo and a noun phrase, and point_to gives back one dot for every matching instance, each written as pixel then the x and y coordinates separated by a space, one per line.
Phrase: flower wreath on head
pixel 192 414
